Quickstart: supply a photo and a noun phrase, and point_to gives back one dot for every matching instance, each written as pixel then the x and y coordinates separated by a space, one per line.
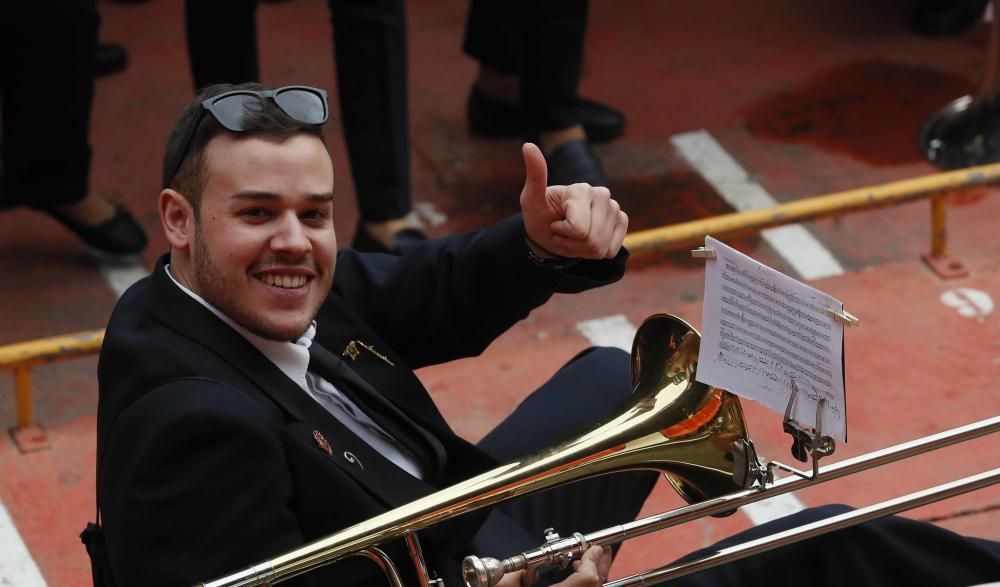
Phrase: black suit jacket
pixel 207 452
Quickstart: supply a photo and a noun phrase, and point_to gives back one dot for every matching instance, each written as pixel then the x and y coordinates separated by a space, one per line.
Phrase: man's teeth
pixel 289 281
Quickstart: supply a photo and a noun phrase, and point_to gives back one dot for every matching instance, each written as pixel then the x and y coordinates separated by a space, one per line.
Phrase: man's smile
pixel 284 280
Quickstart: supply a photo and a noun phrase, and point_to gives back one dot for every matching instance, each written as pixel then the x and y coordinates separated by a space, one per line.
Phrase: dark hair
pixel 260 118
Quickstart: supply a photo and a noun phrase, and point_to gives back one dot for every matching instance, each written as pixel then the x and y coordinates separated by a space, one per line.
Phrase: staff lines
pixel 769 318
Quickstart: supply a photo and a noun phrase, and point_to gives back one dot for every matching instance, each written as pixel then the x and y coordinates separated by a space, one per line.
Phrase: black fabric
pixel 888 551
pixel 210 458
pixel 370 51
pixel 543 43
pixel 100 566
pixel 47 52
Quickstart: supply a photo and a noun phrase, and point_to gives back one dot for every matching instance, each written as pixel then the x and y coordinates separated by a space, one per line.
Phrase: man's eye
pixel 315 215
pixel 254 213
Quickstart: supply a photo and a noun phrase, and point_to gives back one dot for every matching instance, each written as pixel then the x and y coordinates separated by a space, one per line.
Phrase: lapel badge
pixel 353 459
pixel 352 352
pixel 322 442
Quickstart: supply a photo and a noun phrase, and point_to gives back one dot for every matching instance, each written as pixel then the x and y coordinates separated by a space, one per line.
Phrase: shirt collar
pixel 292 357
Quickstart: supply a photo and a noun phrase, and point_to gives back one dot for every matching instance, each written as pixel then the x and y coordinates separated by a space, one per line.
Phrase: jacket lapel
pixel 180 312
pixel 413 436
pixel 381 367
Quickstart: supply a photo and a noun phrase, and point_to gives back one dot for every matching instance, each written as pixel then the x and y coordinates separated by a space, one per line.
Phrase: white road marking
pixel 793 242
pixel 772 508
pixel 968 302
pixel 613 331
pixel 618 331
pixel 16 565
pixel 120 272
pixel 429 214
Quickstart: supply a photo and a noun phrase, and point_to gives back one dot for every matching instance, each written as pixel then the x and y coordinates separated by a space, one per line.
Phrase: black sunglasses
pixel 302 103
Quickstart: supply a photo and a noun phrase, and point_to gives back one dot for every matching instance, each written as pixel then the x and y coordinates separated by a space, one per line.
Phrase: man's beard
pixel 220 291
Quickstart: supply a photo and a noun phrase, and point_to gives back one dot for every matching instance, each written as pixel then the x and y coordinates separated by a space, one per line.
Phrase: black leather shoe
pixel 403 239
pixel 110 58
pixel 492 118
pixel 575 162
pixel 118 235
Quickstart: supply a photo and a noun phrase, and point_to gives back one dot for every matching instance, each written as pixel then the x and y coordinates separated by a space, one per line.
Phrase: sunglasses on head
pixel 302 103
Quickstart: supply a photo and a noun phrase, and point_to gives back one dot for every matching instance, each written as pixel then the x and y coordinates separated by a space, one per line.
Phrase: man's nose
pixel 291 236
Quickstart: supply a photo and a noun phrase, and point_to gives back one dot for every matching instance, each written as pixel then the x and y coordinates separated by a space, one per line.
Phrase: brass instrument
pixel 693 433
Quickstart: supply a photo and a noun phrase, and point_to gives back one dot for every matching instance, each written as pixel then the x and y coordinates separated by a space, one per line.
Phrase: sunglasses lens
pixel 229 110
pixel 302 105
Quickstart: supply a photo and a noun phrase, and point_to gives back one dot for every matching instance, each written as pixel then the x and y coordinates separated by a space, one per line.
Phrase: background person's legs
pixel 370 49
pixel 47 49
pixel 531 54
pixel 222 41
pixel 48 88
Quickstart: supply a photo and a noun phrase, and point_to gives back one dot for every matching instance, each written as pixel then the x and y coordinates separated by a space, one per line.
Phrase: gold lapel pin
pixel 352 352
pixel 322 442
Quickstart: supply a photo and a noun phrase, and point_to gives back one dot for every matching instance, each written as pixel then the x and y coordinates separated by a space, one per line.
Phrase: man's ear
pixel 177 218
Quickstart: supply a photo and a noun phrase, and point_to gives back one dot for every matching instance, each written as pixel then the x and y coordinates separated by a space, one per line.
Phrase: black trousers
pixel 580 394
pixel 889 551
pixel 542 42
pixel 370 51
pixel 47 52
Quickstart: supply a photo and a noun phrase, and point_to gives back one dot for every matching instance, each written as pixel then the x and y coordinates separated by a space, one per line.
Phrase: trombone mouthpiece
pixel 481 572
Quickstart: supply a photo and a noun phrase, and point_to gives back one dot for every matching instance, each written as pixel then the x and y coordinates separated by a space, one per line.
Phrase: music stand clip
pixel 805 443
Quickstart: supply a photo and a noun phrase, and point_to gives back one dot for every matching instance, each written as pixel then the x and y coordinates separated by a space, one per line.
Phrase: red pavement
pixel 810 98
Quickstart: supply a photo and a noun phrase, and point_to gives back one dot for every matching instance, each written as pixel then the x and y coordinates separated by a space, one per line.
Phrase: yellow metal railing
pixel 21 357
pixel 687 234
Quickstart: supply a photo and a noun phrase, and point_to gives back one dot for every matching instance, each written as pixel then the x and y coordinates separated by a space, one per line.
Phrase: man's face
pixel 264 248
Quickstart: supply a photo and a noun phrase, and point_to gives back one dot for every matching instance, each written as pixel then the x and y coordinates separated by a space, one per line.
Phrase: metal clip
pixel 703 253
pixel 805 444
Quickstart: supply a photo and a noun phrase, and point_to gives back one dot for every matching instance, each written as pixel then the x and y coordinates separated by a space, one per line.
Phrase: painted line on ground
pixel 794 242
pixel 613 331
pixel 428 214
pixel 120 272
pixel 16 565
pixel 618 331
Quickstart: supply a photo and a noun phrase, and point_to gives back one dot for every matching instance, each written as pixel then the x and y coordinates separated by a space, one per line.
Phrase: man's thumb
pixel 536 173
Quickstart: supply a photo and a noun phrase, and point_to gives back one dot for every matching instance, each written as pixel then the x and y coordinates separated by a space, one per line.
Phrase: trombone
pixel 693 433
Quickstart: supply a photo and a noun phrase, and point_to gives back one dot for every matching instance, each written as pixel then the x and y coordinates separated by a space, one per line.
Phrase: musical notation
pixel 761 329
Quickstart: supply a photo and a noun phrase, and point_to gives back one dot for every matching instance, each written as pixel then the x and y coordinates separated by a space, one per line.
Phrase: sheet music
pixel 761 328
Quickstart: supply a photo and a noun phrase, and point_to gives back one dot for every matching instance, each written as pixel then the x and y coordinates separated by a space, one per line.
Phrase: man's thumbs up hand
pixel 578 221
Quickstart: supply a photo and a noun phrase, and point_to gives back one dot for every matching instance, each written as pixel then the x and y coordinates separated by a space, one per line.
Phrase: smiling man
pixel 257 392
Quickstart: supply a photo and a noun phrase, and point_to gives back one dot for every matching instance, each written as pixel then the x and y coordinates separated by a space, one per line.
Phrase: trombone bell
pixel 703 448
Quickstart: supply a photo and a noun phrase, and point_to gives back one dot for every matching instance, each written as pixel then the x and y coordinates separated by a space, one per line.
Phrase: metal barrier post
pixel 25 405
pixel 21 357
pixel 938 259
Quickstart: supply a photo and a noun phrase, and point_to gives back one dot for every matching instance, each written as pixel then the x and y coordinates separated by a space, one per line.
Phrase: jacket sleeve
pixel 193 487
pixel 451 297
